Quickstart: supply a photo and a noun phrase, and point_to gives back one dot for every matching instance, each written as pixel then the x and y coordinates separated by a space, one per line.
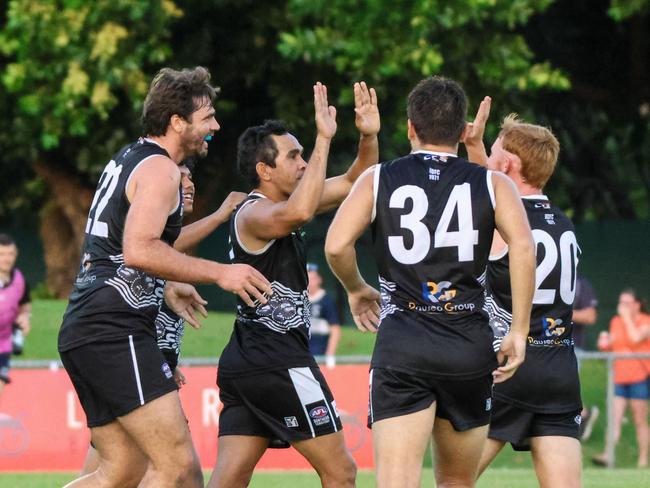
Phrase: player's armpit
pixel 512 224
pixel 154 193
pixel 338 187
pixel 263 220
pixel 352 218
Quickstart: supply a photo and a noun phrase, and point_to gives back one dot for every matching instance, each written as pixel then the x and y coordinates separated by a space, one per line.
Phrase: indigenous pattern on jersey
pixel 110 300
pixel 547 381
pixel 169 330
pixel 274 335
pixel 432 228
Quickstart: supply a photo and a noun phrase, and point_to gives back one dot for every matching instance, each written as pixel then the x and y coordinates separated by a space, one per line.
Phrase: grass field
pixel 211 338
pixel 494 478
pixel 206 342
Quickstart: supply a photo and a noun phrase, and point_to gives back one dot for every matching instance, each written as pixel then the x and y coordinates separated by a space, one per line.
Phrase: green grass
pixel 212 337
pixel 493 478
pixel 207 342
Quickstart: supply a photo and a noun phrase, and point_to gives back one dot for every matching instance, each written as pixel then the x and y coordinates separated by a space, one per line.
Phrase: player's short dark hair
pixel 6 240
pixel 175 93
pixel 189 163
pixel 437 108
pixel 256 145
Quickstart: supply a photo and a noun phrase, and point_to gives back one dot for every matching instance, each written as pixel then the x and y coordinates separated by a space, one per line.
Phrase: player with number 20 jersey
pixel 539 408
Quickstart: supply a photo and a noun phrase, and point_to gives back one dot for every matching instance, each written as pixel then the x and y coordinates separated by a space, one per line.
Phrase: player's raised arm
pixel 352 218
pixel 513 226
pixel 368 123
pixel 473 134
pixel 195 232
pixel 290 206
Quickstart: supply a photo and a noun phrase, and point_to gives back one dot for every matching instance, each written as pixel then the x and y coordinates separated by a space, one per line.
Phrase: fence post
pixel 610 447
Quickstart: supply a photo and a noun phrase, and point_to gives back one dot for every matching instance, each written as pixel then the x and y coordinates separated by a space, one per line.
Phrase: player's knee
pixel 185 470
pixel 343 474
pixel 456 482
pixel 118 478
pixel 231 477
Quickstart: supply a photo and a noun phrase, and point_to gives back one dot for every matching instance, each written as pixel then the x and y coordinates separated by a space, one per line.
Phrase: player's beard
pixel 193 146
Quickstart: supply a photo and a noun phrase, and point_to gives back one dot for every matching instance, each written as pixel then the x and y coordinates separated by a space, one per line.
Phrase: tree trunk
pixel 62 225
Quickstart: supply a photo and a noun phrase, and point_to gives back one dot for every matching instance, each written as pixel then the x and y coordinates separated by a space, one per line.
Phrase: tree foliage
pixel 74 74
pixel 580 66
pixel 71 69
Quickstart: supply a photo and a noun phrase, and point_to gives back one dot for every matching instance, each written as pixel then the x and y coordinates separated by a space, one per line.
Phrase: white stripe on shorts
pixel 136 370
pixel 372 415
pixel 309 391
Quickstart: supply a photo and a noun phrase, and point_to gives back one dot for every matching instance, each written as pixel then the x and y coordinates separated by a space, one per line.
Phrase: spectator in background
pixel 325 325
pixel 584 311
pixel 629 331
pixel 15 306
pixel 584 315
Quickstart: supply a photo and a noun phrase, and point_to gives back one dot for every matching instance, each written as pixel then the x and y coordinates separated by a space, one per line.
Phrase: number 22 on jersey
pixel 105 189
pixel 464 239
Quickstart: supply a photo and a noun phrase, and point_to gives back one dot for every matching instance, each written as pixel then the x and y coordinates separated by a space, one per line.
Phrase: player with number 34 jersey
pixel 432 216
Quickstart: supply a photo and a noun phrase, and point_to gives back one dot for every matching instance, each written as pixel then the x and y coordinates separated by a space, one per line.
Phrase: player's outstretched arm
pixel 352 218
pixel 264 219
pixel 153 194
pixel 473 134
pixel 368 123
pixel 512 224
pixel 195 232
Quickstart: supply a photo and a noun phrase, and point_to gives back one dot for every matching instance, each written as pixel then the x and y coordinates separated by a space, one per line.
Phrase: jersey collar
pixel 435 153
pixel 534 197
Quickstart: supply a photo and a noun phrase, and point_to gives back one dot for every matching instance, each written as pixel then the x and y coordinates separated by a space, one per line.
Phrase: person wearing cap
pixel 325 327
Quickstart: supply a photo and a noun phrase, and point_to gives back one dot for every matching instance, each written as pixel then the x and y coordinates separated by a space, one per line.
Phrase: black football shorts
pixel 515 425
pixel 113 378
pixel 465 403
pixel 284 406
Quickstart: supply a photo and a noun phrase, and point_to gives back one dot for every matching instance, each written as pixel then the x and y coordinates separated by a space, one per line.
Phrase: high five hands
pixel 324 114
pixel 367 117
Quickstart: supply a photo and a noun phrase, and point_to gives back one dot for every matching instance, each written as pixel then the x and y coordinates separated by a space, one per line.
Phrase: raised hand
pixel 364 305
pixel 325 114
pixel 367 117
pixel 185 301
pixel 246 282
pixel 233 199
pixel 513 352
pixel 475 130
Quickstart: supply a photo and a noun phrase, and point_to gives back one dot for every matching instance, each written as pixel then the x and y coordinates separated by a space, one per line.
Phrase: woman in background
pixel 629 331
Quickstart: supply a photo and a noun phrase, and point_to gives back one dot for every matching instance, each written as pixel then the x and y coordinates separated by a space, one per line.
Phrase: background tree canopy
pixel 74 74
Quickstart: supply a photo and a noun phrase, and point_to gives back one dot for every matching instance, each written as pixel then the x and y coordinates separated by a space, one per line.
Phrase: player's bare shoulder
pixel 157 171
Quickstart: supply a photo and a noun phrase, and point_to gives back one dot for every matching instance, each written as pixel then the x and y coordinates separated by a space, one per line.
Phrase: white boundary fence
pixel 609 357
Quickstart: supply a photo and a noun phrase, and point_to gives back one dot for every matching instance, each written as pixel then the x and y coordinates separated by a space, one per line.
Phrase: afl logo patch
pixel 167 370
pixel 319 415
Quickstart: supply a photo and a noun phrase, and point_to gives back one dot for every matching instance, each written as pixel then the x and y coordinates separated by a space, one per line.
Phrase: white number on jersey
pixel 465 238
pixel 568 253
pixel 412 222
pixel 107 185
